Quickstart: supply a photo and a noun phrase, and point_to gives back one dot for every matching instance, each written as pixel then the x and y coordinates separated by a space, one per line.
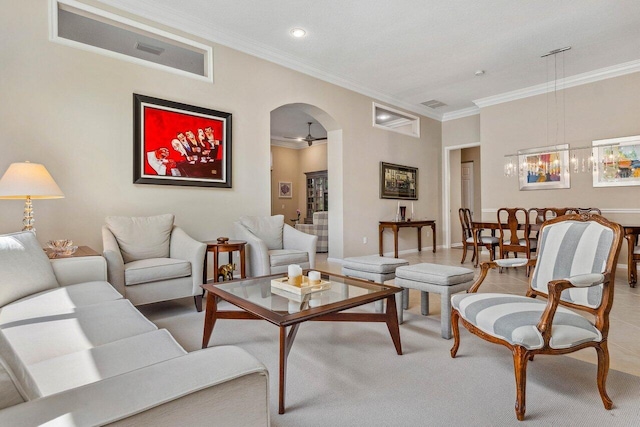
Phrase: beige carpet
pixel 348 374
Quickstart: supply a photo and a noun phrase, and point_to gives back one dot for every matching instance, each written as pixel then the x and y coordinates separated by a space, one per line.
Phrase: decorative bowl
pixel 62 247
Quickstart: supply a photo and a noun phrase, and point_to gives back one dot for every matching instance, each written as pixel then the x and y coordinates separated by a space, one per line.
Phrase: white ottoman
pixel 441 279
pixel 372 267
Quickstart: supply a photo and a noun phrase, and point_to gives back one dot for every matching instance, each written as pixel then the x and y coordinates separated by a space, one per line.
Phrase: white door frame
pixel 446 188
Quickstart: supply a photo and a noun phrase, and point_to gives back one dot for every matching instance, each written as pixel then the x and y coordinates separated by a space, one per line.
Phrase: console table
pixel 396 225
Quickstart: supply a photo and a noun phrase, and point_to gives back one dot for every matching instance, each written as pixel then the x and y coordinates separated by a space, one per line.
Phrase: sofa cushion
pixel 24 267
pixel 115 358
pixel 287 256
pixel 142 237
pixel 75 329
pixel 266 228
pixel 58 300
pixel 155 269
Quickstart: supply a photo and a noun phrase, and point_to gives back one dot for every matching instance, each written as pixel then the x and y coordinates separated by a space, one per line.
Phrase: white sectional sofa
pixel 74 352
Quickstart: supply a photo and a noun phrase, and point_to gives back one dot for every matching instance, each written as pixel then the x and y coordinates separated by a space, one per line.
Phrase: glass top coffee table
pixel 257 299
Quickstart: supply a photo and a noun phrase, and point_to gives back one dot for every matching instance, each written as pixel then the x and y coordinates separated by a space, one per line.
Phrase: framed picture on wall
pixel 616 162
pixel 544 168
pixel 179 144
pixel 398 182
pixel 285 190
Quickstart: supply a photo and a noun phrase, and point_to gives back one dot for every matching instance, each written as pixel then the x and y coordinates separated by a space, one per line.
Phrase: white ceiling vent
pixel 79 25
pixel 433 103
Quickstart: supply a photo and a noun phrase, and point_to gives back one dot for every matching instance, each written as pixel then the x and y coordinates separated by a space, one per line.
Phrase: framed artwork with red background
pixel 179 144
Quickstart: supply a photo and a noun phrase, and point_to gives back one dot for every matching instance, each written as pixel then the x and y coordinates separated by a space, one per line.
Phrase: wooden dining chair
pixel 633 254
pixel 575 271
pixel 515 222
pixel 475 240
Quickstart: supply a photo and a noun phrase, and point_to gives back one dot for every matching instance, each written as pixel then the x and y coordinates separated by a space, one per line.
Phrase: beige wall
pixel 290 165
pixel 465 130
pixel 72 110
pixel 604 109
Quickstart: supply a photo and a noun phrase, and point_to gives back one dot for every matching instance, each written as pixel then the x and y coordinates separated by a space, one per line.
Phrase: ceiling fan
pixel 307 138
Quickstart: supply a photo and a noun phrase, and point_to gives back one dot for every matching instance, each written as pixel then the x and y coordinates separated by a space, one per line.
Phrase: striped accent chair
pixel 575 268
pixel 320 228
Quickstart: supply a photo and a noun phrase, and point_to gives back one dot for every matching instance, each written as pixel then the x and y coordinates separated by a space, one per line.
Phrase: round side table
pixel 229 246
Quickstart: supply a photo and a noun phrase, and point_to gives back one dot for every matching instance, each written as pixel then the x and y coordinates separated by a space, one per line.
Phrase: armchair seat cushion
pixel 155 269
pixel 280 257
pixel 513 318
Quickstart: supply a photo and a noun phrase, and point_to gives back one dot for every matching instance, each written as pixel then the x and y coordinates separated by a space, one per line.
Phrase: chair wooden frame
pixel 631 234
pixel 522 355
pixel 514 245
pixel 466 222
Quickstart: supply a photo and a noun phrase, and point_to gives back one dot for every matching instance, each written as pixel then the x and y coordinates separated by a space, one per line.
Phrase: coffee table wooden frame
pixel 329 312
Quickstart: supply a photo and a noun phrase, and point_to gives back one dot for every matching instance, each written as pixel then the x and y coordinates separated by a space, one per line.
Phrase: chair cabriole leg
pixel 520 358
pixel 456 332
pixel 603 370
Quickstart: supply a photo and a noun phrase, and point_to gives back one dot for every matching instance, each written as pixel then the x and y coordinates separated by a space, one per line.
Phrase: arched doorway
pixel 294 157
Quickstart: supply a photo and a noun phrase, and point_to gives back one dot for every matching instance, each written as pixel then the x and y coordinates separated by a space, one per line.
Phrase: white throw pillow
pixel 142 237
pixel 266 228
pixel 24 267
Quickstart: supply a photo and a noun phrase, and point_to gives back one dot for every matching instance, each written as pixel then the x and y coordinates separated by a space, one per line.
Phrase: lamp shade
pixel 28 179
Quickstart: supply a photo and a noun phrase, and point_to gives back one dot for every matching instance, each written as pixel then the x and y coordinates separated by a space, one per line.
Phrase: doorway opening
pixel 306 154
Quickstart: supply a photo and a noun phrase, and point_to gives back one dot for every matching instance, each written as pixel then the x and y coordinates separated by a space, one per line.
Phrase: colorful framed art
pixel 544 168
pixel 179 144
pixel 616 162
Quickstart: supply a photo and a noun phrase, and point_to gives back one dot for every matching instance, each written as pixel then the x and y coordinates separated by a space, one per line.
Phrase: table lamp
pixel 28 181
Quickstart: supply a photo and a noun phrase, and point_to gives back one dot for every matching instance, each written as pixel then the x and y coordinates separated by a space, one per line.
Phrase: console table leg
pixel 419 239
pixel 395 242
pixel 433 229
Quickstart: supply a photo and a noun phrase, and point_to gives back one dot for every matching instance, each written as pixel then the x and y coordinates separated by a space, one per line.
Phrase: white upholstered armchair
pixel 150 260
pixel 272 245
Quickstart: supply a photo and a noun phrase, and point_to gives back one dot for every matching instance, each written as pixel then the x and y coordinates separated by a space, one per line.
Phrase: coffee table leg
pixel 286 341
pixel 392 323
pixel 209 319
pixel 283 369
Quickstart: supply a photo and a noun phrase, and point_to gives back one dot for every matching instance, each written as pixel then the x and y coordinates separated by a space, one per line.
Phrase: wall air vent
pixel 82 26
pixel 433 103
pixel 149 49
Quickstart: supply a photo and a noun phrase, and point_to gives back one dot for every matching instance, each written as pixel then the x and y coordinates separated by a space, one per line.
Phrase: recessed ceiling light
pixel 480 73
pixel 298 32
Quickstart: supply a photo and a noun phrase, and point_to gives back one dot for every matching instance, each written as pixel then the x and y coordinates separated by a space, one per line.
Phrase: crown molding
pixel 175 18
pixel 567 82
pixel 458 114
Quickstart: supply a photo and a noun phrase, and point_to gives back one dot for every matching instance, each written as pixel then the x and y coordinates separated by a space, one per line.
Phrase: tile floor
pixel 624 332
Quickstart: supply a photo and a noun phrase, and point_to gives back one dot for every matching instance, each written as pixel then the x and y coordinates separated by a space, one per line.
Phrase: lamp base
pixel 28 220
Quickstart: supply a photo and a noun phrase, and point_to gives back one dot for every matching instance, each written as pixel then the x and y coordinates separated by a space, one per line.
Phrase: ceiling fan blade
pixel 319 139
pixel 297 138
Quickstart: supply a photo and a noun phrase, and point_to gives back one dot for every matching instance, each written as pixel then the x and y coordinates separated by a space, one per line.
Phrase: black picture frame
pixel 398 182
pixel 180 144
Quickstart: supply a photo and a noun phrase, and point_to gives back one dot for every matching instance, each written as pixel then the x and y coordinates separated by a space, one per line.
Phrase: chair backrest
pixel 465 222
pixel 540 215
pixel 513 220
pixel 266 228
pixel 560 211
pixel 584 210
pixel 575 245
pixel 321 218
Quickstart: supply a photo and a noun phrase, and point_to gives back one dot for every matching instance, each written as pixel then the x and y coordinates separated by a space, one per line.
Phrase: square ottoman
pixel 441 279
pixel 373 268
